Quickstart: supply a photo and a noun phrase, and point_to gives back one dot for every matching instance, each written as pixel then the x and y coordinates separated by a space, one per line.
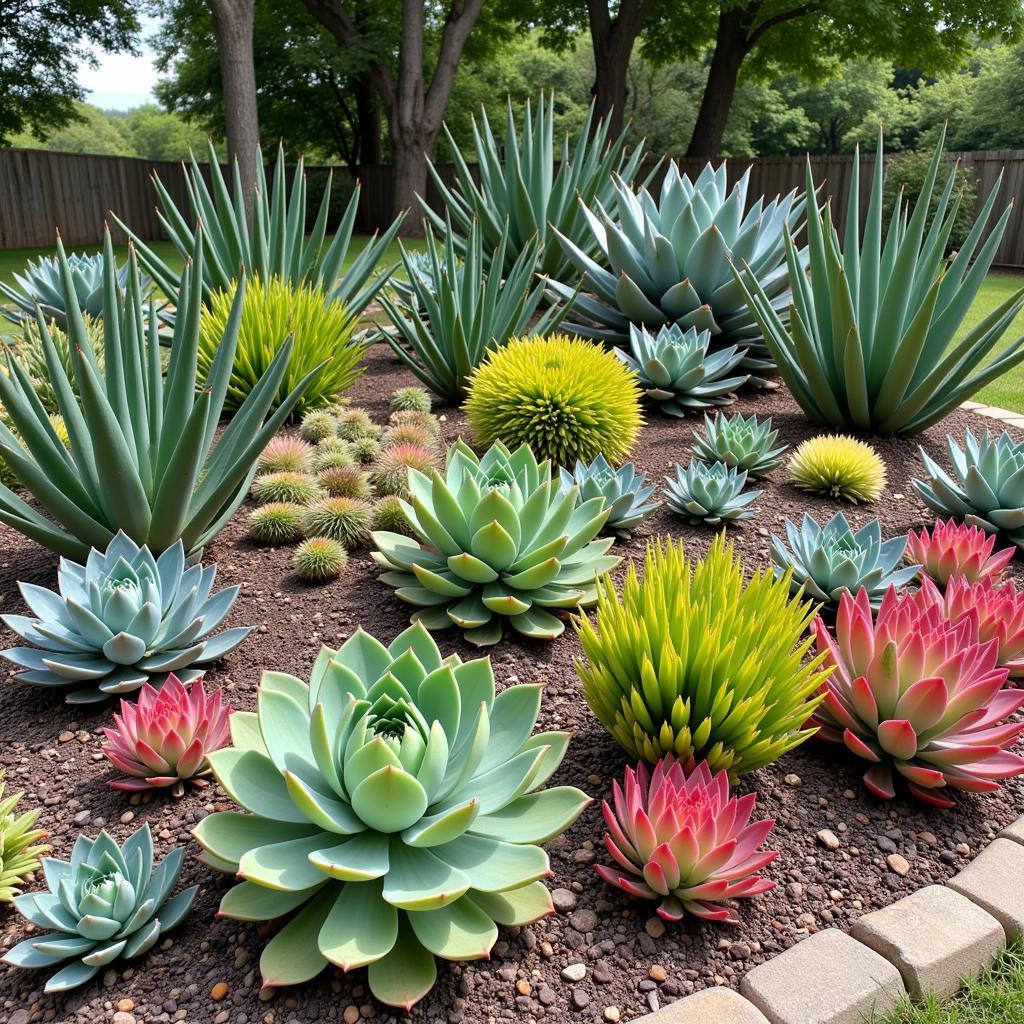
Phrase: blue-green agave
pixel 710 494
pixel 833 560
pixel 106 902
pixel 676 370
pixel 496 541
pixel 741 442
pixel 625 491
pixel 395 803
pixel 122 619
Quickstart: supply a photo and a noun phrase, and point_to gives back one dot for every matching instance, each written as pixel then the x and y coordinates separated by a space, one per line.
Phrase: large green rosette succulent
pixel 394 803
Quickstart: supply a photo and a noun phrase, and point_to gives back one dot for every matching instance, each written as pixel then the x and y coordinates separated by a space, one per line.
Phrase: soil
pixel 633 961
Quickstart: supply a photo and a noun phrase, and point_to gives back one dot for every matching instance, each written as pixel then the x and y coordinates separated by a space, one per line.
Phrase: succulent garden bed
pixel 602 955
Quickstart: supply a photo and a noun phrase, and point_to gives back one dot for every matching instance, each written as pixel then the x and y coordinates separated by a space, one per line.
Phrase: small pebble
pixel 574 972
pixel 898 864
pixel 655 927
pixel 657 973
pixel 523 987
pixel 612 1014
pixel 828 839
pixel 792 780
pixel 219 991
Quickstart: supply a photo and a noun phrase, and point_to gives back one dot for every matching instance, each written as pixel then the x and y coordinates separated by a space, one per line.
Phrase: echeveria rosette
pixel 741 442
pixel 918 695
pixel 833 560
pixel 987 485
pixel 625 491
pixel 710 494
pixel 954 549
pixel 395 803
pixel 999 609
pixel 680 838
pixel 122 619
pixel 106 902
pixel 496 541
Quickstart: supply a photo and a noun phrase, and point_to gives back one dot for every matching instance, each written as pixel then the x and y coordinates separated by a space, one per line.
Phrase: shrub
pixel 888 702
pixel 409 433
pixel 365 449
pixel 410 399
pixel 317 426
pixel 333 453
pixel 952 549
pixel 839 467
pixel 423 420
pixel 710 494
pixel 286 454
pixel 696 663
pixel 346 520
pixel 437 845
pixel 566 398
pixel 294 488
pixel 277 522
pixel 319 559
pixel 18 856
pixel 495 540
pixel 743 443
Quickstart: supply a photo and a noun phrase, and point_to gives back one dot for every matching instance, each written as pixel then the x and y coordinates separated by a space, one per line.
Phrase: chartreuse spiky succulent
pixel 463 312
pixel 696 662
pixel 710 494
pixel 147 455
pixel 873 339
pixel 296 488
pixel 496 540
pixel 272 242
pixel 319 559
pixel 106 902
pixel 666 260
pixel 277 522
pixel 625 491
pixel 410 399
pixel 18 856
pixel 986 488
pixel 840 467
pixel 395 803
pixel 676 370
pixel 31 354
pixel 120 620
pixel 827 562
pixel 286 454
pixel 741 442
pixel 318 425
pixel 567 398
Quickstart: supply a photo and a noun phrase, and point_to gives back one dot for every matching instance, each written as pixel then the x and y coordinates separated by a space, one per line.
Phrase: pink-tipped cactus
pixel 1000 611
pixel 163 739
pixel 916 693
pixel 683 839
pixel 955 549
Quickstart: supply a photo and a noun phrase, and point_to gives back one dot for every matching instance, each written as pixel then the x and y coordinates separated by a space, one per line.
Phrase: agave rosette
pixel 496 541
pixel 395 803
pixel 42 284
pixel 916 694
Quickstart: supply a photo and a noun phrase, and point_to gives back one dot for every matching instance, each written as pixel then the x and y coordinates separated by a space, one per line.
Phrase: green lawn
pixel 997 998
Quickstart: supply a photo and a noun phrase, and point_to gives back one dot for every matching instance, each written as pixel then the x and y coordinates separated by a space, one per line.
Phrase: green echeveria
pixel 710 494
pixel 393 802
pixel 497 540
pixel 107 902
pixel 830 561
pixel 625 491
pixel 741 442
pixel 120 620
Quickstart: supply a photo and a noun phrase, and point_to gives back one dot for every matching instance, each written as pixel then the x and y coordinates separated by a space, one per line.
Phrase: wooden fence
pixel 42 191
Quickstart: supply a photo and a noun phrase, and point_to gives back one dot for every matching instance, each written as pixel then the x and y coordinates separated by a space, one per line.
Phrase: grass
pixel 996 998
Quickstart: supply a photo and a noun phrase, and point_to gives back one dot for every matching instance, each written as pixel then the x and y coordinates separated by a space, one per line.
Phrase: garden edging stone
pixel 992 881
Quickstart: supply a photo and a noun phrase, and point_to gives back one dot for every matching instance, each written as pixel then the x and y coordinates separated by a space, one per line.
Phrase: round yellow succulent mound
pixel 566 398
pixel 839 466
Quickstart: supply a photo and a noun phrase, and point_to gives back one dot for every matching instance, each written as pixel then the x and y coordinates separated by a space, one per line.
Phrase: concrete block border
pixel 905 947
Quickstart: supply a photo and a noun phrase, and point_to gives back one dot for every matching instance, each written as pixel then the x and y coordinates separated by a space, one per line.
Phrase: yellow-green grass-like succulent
pixel 285 454
pixel 365 449
pixel 18 854
pixel 695 662
pixel 838 466
pixel 355 422
pixel 277 522
pixel 394 806
pixel 319 559
pixel 568 399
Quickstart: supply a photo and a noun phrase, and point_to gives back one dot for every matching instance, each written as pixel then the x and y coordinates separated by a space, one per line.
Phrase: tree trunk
pixel 233 21
pixel 369 123
pixel 409 180
pixel 730 49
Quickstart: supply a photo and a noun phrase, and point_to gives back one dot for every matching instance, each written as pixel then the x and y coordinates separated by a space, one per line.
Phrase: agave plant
pixel 496 540
pixel 918 694
pixel 680 838
pixel 463 313
pixel 162 741
pixel 668 260
pixel 107 902
pixel 121 619
pixel 146 455
pixel 988 489
pixel 41 284
pixel 395 802
pixel 998 609
pixel 710 494
pixel 528 187
pixel 696 662
pixel 741 442
pixel 18 857
pixel 276 244
pixel 954 550
pixel 870 340
pixel 676 370
pixel 625 491
pixel 827 562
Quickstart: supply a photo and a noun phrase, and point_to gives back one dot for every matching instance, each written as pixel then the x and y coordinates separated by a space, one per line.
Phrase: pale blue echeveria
pixel 625 491
pixel 710 494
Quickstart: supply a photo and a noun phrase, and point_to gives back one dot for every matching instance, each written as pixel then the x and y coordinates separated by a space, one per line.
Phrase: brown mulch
pixel 52 751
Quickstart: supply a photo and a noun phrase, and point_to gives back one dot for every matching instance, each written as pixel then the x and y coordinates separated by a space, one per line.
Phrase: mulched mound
pixel 843 853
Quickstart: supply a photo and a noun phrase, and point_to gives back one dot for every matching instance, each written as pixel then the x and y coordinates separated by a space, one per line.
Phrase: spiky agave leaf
pixel 394 804
pixel 496 541
pixel 695 662
pixel 625 491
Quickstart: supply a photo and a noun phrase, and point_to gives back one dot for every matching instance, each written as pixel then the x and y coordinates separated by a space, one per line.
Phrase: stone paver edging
pixel 930 941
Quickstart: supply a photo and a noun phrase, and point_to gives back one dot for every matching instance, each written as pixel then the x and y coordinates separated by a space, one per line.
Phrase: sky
pixel 121 81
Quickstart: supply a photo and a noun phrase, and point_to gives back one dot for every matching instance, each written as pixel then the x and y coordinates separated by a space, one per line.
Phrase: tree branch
pixel 752 38
pixel 457 28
